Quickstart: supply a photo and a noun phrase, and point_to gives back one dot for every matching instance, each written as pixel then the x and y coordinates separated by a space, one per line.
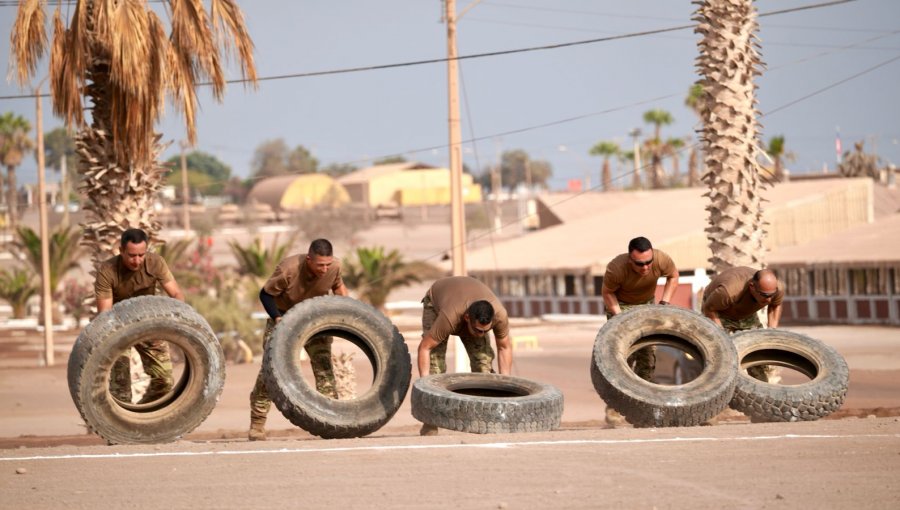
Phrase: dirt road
pixel 832 463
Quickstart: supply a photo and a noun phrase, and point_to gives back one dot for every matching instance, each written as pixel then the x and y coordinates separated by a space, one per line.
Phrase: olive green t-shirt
pixel 729 296
pixel 293 282
pixel 631 288
pixel 452 296
pixel 115 280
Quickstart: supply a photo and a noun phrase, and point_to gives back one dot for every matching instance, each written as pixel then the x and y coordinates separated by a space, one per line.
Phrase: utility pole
pixel 46 297
pixel 185 193
pixel 457 209
pixel 64 184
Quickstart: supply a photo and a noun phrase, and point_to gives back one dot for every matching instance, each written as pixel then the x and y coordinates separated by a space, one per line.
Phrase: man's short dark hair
pixel 481 311
pixel 134 236
pixel 639 244
pixel 320 247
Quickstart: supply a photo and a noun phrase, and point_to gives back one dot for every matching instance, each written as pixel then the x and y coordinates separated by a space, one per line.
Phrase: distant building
pixel 405 184
pixel 559 268
pixel 297 192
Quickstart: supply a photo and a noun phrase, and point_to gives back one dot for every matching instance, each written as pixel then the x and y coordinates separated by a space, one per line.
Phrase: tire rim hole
pixel 352 361
pixel 488 392
pixel 785 368
pixel 149 376
pixel 678 361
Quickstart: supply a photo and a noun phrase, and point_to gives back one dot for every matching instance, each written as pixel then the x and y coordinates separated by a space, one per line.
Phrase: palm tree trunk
pixel 118 198
pixel 692 168
pixel 12 196
pixel 728 61
pixel 606 178
pixel 657 171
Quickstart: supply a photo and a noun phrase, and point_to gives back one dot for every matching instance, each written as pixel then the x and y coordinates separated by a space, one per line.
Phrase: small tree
pixel 373 274
pixel 16 288
pixel 257 260
pixel 76 297
pixel 65 254
pixel 607 150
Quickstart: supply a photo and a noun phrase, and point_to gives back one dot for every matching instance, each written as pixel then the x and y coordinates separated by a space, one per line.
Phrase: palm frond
pixel 64 79
pixel 28 39
pixel 192 37
pixel 226 15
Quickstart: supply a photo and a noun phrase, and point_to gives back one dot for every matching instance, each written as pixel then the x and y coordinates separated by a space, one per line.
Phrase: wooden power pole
pixel 46 295
pixel 457 208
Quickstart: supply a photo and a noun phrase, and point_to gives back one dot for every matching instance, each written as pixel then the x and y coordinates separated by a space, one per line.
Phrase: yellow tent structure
pixel 293 192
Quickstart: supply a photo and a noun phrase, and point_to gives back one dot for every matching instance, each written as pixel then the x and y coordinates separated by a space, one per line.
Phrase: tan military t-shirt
pixel 632 288
pixel 728 294
pixel 292 282
pixel 117 281
pixel 452 296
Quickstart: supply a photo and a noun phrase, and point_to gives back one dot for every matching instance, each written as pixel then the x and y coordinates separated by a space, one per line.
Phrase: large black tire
pixel 646 404
pixel 822 395
pixel 486 403
pixel 365 327
pixel 194 394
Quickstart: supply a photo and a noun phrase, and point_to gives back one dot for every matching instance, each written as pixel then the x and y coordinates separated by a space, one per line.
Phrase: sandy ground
pixel 848 460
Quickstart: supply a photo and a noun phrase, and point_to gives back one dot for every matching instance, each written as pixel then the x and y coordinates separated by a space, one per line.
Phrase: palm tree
pixel 695 102
pixel 777 152
pixel 14 144
pixel 258 261
pixel 59 149
pixel 116 59
pixel 64 250
pixel 674 146
pixel 16 288
pixel 656 147
pixel 373 274
pixel 607 150
pixel 728 61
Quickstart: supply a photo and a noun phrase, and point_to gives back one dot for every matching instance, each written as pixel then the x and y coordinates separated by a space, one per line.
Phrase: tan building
pixel 296 192
pixel 405 184
pixel 851 276
pixel 559 268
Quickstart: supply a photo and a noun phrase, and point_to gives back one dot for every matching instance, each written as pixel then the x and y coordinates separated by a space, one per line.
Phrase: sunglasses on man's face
pixel 638 263
pixel 765 295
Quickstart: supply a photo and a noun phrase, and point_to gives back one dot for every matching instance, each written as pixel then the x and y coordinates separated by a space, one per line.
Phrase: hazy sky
pixel 554 104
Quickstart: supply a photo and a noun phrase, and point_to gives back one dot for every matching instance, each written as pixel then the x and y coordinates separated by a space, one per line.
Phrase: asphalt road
pixel 850 463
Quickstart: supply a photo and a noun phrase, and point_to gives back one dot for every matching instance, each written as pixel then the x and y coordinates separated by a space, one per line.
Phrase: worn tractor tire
pixel 822 395
pixel 486 403
pixel 646 404
pixel 358 323
pixel 138 319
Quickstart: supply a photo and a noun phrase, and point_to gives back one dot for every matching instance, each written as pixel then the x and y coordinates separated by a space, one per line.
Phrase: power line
pixel 491 53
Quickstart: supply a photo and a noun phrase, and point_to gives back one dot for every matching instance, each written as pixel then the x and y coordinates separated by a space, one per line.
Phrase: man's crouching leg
pixel 319 350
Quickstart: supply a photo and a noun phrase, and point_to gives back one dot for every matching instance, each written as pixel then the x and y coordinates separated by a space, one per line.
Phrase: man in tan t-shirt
pixel 465 307
pixel 630 280
pixel 734 296
pixel 297 278
pixel 134 272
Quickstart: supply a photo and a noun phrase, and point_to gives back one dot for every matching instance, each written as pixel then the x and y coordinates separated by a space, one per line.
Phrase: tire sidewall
pixel 119 329
pixel 301 403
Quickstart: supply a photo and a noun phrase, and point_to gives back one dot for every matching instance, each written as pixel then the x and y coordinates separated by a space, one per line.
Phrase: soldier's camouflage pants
pixel 761 372
pixel 643 362
pixel 481 354
pixel 319 350
pixel 157 363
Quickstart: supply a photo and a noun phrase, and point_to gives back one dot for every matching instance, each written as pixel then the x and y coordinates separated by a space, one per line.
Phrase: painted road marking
pixel 448 446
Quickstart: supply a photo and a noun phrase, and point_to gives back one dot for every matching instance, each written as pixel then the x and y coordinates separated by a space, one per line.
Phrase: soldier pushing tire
pixel 167 417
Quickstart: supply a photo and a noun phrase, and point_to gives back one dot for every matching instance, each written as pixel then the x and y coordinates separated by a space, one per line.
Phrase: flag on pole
pixel 837 145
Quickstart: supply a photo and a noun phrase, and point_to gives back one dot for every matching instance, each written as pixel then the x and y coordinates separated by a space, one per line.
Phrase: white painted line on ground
pixel 457 445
